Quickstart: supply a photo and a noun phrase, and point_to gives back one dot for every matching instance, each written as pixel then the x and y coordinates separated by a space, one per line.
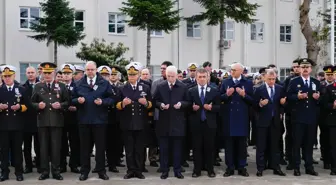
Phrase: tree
pixel 152 15
pixel 103 53
pixel 57 25
pixel 317 36
pixel 216 11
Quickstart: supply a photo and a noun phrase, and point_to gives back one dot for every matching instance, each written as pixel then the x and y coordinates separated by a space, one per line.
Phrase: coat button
pixel 50 109
pixel 49 98
pixel 307 107
pixel 14 114
pixel 49 93
pixel 139 109
pixel 132 114
pixel 6 114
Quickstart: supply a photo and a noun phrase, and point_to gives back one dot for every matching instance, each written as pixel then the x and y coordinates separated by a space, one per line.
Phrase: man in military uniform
pixel 303 93
pixel 79 72
pixel 12 104
pixel 136 100
pixel 70 134
pixel 323 113
pixel 191 81
pixel 50 98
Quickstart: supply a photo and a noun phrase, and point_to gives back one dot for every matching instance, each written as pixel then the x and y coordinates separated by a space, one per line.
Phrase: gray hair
pixel 237 64
pixel 271 72
pixel 202 71
pixel 145 69
pixel 171 69
pixel 90 62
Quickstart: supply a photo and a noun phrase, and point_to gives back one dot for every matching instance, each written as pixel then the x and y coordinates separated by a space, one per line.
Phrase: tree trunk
pixel 221 45
pixel 55 52
pixel 312 47
pixel 148 57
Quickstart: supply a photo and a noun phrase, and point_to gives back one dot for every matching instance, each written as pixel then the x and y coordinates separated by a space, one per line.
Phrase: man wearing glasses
pixel 304 94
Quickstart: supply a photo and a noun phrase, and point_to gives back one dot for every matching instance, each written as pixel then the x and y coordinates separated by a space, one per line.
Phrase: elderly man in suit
pixel 269 98
pixel 205 101
pixel 303 93
pixel 92 95
pixel 236 92
pixel 171 99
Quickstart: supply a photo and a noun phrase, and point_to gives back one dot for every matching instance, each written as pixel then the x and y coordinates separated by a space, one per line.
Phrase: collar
pixel 237 78
pixel 268 87
pixel 199 86
pixel 192 79
pixel 10 86
pixel 329 83
pixel 304 80
pixel 171 83
pixel 51 83
pixel 32 83
pixel 93 79
pixel 136 83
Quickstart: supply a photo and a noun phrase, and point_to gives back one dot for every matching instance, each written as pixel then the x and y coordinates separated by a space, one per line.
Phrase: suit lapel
pixel 265 91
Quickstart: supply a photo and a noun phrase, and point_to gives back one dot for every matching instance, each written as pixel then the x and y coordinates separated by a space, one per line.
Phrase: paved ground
pixel 153 178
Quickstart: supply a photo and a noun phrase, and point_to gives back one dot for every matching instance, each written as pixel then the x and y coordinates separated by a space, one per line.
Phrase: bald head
pixel 145 74
pixel 91 69
pixel 31 73
pixel 236 70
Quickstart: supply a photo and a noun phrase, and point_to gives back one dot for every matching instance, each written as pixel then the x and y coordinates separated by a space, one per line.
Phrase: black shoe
pixel 113 169
pixel 196 174
pixel 58 177
pixel 297 172
pixel 315 162
pixel 185 164
pixel 153 164
pixel 83 177
pixel 282 161
pixel 158 170
pixel 120 165
pixel 44 177
pixel 19 178
pixel 311 172
pixel 183 170
pixel 92 155
pixel 103 176
pixel 259 174
pixel 74 170
pixel 164 175
pixel 217 163
pixel 39 170
pixel 279 172
pixel 243 172
pixel 144 169
pixel 179 175
pixel 3 177
pixel 28 170
pixel 333 173
pixel 289 167
pixel 63 170
pixel 321 158
pixel 140 176
pixel 327 166
pixel 94 170
pixel 129 175
pixel 211 174
pixel 228 173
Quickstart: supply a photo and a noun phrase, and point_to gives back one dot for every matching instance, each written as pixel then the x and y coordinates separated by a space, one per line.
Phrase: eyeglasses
pixel 7 76
pixel 48 73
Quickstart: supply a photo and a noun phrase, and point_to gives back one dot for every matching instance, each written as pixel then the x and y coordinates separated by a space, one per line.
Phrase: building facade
pixel 275 38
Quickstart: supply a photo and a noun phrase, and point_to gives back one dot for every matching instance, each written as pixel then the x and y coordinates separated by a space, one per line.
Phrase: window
pixel 156 72
pixel 229 30
pixel 23 67
pixel 28 15
pixel 284 72
pixel 257 31
pixel 286 33
pixel 156 33
pixel 79 19
pixel 116 23
pixel 255 69
pixel 193 29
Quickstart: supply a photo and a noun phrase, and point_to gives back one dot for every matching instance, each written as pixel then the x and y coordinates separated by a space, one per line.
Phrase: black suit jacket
pixel 31 114
pixel 212 96
pixel 265 113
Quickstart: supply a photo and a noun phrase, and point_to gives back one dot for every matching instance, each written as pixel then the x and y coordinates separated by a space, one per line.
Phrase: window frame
pixel 284 70
pixel 116 23
pixel 33 64
pixel 79 21
pixel 285 34
pixel 255 69
pixel 226 30
pixel 193 24
pixel 154 33
pixel 28 18
pixel 257 32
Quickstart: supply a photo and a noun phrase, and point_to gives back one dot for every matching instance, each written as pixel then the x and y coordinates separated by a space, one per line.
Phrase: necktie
pixel 306 84
pixel 68 87
pixel 91 83
pixel 272 93
pixel 236 81
pixel 203 117
pixel 134 88
pixel 9 89
pixel 49 86
pixel 171 86
pixel 192 80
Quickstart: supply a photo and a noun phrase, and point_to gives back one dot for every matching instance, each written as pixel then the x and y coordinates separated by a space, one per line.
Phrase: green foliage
pixel 322 31
pixel 216 11
pixel 104 53
pixel 152 14
pixel 57 25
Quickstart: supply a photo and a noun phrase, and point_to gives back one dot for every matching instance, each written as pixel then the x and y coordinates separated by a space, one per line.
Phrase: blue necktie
pixel 203 117
pixel 236 81
pixel 272 96
pixel 306 84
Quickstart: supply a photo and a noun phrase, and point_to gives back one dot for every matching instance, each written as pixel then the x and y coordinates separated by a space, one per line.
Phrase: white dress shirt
pixel 304 80
pixel 200 90
pixel 269 90
pixel 11 87
pixel 93 80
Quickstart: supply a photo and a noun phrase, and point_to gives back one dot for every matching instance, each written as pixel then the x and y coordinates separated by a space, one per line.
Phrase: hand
pixel 56 105
pixel 3 106
pixel 177 106
pixel 240 91
pixel 164 107
pixel 263 102
pixel 98 101
pixel 208 107
pixel 229 91
pixel 196 107
pixel 302 95
pixel 316 95
pixel 281 116
pixel 142 101
pixel 126 101
pixel 41 105
pixel 283 100
pixel 334 107
pixel 15 107
pixel 81 100
pixel 72 108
